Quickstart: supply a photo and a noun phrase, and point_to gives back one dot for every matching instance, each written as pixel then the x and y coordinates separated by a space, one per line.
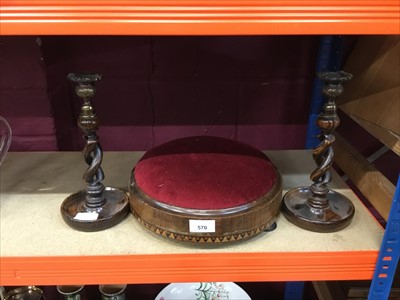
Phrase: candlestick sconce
pixel 97 207
pixel 318 208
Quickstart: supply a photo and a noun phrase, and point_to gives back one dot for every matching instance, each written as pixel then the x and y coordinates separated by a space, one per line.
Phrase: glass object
pixel 2 293
pixel 25 293
pixel 112 291
pixel 71 292
pixel 5 138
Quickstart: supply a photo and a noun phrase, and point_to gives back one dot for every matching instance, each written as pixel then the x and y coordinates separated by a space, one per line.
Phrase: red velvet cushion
pixel 205 173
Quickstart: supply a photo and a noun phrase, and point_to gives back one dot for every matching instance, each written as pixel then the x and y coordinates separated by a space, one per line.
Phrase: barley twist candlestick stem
pixel 97 207
pixel 317 208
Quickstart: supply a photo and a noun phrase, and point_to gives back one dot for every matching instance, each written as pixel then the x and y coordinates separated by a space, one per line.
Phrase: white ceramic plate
pixel 203 291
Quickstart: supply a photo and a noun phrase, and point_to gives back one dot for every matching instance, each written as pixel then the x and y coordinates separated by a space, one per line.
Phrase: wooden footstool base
pixel 205 190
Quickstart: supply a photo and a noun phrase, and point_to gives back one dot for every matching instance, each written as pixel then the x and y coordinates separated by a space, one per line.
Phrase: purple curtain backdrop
pixel 254 89
pixel 24 101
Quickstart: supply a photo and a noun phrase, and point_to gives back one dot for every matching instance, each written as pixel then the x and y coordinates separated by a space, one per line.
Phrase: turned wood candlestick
pixel 318 208
pixel 97 207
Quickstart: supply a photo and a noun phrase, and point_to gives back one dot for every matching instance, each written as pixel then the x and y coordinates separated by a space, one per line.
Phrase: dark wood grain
pixel 231 225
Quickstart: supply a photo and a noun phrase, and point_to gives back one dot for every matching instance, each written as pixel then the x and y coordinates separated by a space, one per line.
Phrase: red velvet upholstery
pixel 205 173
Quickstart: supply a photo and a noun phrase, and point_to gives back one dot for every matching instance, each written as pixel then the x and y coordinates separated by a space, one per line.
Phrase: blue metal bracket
pixel 388 259
pixel 329 59
pixel 294 290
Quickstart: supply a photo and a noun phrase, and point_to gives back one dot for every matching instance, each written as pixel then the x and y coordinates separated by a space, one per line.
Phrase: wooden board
pixel 372 183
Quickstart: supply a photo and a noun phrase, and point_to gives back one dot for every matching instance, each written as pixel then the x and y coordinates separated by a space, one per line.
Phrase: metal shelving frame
pixel 331 18
pixel 329 59
pixel 388 259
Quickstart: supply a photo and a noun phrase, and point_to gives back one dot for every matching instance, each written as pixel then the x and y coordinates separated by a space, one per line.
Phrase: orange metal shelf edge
pixel 108 27
pixel 239 267
pixel 194 17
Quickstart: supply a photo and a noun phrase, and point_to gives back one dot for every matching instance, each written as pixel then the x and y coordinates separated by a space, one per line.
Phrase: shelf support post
pixel 388 258
pixel 294 290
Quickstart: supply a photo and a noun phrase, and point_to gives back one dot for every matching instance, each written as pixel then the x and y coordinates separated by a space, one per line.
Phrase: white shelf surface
pixel 33 186
pixel 38 248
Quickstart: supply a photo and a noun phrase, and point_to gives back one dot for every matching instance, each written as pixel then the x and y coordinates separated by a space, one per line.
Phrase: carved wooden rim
pixel 205 239
pixel 256 217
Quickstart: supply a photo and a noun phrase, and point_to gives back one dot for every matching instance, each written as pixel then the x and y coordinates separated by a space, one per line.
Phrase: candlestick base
pixel 78 216
pixel 336 216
